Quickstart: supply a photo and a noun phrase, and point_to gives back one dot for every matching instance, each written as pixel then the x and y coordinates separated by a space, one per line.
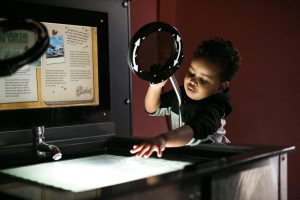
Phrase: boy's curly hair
pixel 222 53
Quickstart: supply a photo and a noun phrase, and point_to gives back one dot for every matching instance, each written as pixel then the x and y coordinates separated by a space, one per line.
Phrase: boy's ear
pixel 224 85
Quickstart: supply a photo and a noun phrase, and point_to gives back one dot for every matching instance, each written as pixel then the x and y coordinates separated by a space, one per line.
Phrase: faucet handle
pixel 39 130
pixel 38 134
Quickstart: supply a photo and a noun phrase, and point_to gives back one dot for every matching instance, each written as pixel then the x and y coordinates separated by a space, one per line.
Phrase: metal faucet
pixel 42 149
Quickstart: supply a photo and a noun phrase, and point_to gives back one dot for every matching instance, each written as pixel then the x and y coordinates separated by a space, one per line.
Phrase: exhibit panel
pixel 77 81
pixel 201 172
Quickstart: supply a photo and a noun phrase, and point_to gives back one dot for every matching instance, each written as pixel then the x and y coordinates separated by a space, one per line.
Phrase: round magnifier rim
pixel 173 62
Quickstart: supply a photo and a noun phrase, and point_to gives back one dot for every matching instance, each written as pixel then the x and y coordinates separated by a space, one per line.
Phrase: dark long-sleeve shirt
pixel 205 116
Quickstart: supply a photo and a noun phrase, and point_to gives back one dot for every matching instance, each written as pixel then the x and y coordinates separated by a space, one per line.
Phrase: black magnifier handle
pixel 178 95
pixel 155 53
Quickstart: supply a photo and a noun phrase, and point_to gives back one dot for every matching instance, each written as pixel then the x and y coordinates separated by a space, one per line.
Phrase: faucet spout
pixel 42 148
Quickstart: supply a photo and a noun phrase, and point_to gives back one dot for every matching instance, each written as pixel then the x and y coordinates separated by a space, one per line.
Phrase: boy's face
pixel 202 80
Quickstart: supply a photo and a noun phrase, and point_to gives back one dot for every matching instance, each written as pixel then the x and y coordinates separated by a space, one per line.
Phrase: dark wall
pixel 143 12
pixel 264 92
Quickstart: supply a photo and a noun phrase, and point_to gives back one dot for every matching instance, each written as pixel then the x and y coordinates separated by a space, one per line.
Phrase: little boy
pixel 205 100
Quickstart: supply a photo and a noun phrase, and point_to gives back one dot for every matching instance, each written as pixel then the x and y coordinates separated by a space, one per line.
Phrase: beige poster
pixel 67 72
pixel 20 87
pixel 66 75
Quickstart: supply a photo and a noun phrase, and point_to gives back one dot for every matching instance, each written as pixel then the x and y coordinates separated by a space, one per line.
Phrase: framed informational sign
pixel 66 75
pixel 70 83
pixel 80 86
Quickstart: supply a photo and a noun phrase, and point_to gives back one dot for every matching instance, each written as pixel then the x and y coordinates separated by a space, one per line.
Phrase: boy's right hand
pixel 158 85
pixel 152 98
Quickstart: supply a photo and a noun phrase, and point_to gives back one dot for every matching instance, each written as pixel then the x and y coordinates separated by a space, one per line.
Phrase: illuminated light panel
pixel 93 172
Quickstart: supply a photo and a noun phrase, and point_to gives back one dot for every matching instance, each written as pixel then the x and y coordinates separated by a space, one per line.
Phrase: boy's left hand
pixel 145 149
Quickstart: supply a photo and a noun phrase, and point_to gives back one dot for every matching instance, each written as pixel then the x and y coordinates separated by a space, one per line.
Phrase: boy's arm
pixel 178 137
pixel 152 98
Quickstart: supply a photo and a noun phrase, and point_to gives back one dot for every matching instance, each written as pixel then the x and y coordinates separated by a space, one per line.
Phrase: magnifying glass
pixel 21 42
pixel 155 53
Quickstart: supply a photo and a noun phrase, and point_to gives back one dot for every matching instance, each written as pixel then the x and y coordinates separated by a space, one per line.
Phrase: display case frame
pixel 113 116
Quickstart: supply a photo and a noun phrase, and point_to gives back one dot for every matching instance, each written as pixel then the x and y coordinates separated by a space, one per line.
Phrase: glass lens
pixel 16 42
pixel 155 51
